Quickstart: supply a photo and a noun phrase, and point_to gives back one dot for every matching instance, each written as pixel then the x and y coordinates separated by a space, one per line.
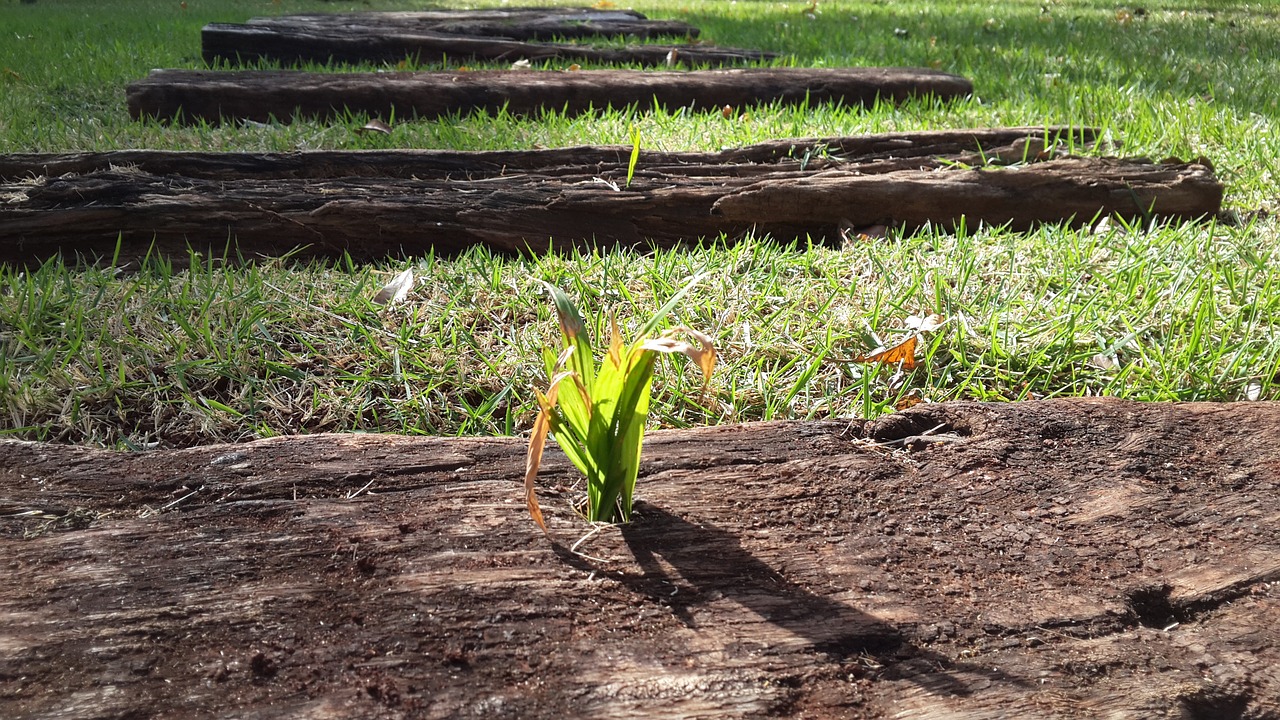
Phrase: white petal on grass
pixel 1104 362
pixel 1253 391
pixel 376 126
pixel 396 290
pixel 928 323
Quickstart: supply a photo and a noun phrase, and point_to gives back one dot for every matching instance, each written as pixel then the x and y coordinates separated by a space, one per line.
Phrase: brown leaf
pixel 907 401
pixel 537 443
pixel 903 353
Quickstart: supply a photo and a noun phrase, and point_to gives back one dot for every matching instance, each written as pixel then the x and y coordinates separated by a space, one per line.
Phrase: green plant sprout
pixel 597 413
pixel 635 154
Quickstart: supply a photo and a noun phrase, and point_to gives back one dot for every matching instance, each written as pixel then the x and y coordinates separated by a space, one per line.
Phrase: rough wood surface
pixel 1057 559
pixel 213 96
pixel 1078 190
pixel 468 35
pixel 371 205
pixel 917 149
pixel 516 23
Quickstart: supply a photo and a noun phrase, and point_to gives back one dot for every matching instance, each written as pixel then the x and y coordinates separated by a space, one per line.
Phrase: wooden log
pixel 1031 560
pixel 1075 190
pixel 516 23
pixel 192 95
pixel 371 206
pixel 471 35
pixel 241 44
pixel 865 151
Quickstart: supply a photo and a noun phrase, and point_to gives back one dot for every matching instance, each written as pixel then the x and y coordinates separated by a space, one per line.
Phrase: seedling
pixel 597 413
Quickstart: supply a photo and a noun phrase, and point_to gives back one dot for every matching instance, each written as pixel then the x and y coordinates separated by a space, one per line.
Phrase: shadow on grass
pixel 1195 50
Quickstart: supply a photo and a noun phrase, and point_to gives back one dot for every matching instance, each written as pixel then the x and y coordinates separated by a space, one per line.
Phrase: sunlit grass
pixel 174 355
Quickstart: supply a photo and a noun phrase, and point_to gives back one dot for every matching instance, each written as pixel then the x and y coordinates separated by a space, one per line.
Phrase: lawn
pixel 198 351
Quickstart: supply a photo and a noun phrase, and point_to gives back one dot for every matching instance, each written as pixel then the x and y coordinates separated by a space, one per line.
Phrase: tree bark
pixel 370 205
pixel 1055 559
pixel 261 96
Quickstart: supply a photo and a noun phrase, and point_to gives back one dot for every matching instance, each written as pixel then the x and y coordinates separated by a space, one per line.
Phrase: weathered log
pixel 1058 559
pixel 516 23
pixel 865 151
pixel 193 95
pixel 243 44
pixel 1077 190
pixel 471 35
pixel 389 203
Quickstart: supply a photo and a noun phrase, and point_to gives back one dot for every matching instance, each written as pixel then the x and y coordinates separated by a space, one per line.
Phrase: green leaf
pixel 635 154
pixel 575 399
pixel 628 432
pixel 651 327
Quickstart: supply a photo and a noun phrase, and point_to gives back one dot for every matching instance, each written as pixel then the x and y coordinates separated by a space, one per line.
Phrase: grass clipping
pixel 597 414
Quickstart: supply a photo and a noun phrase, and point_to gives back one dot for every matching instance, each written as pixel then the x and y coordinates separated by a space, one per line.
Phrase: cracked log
pixel 260 96
pixel 375 204
pixel 1039 563
pixel 472 35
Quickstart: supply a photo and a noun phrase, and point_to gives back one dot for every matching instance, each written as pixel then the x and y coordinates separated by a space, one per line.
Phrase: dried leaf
pixel 673 57
pixel 727 112
pixel 704 356
pixel 907 401
pixel 902 354
pixel 574 67
pixel 377 126
pixel 537 443
pixel 396 290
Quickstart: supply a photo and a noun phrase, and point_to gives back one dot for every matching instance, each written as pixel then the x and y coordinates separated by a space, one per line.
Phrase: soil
pixel 1053 559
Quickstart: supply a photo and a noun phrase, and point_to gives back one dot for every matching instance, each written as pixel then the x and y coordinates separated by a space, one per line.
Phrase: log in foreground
pixel 1056 559
pixel 470 35
pixel 371 205
pixel 263 96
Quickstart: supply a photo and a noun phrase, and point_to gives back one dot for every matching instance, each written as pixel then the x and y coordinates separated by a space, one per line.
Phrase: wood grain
pixel 781 569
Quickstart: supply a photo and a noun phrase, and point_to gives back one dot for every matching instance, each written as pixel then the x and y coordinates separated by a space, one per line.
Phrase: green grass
pixel 179 356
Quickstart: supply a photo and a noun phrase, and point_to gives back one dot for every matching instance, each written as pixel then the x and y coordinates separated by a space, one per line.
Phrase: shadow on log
pixel 471 35
pixel 263 96
pixel 374 204
pixel 1031 560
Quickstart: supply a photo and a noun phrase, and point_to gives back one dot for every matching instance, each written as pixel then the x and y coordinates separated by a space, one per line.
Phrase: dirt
pixel 1055 559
